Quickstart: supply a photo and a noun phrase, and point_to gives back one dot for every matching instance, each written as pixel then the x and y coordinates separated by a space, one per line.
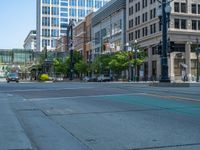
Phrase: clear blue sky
pixel 18 17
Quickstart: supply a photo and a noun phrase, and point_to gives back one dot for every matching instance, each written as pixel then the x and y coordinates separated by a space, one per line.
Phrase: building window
pixel 55 2
pixel 46 1
pixel 130 36
pixel 176 24
pixel 137 20
pixel 81 12
pixel 194 24
pixel 144 31
pixel 153 13
pixel 89 3
pixel 81 3
pixel 176 7
pixel 54 22
pixel 63 4
pixel 45 10
pixel 137 34
pixel 131 11
pixel 198 8
pixel 98 4
pixel 72 12
pixel 154 50
pixel 131 23
pixel 144 3
pixel 153 28
pixel 72 2
pixel 183 24
pixel 198 24
pixel 54 33
pixel 54 11
pixel 137 7
pixel 194 8
pixel 183 8
pixel 152 1
pixel 45 21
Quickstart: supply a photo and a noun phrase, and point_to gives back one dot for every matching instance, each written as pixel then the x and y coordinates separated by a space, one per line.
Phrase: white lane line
pixel 10 95
pixel 31 90
pixel 74 97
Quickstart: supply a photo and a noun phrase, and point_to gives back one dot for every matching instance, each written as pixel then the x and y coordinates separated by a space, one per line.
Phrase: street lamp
pixel 198 57
pixel 164 15
pixel 132 48
pixel 70 46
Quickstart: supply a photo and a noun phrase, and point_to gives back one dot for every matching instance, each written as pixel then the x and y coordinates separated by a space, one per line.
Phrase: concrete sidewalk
pixel 12 135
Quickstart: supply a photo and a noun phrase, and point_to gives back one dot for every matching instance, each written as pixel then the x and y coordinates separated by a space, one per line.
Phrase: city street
pixel 98 116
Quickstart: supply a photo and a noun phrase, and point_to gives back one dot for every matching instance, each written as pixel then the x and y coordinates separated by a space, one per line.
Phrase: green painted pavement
pixel 186 107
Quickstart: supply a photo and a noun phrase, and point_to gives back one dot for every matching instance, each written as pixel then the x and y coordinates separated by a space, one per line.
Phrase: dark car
pixel 12 77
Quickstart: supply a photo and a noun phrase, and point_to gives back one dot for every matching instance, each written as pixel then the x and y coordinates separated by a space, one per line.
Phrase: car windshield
pixel 13 75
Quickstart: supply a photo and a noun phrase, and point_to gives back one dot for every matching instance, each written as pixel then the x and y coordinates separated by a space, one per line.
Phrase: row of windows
pixel 182 7
pixel 144 32
pixel 152 15
pixel 178 24
pixel 47 43
pixel 144 2
pixel 46 21
pixel 88 3
pixel 56 2
pixel 54 32
pixel 182 24
pixel 196 8
pixel 46 10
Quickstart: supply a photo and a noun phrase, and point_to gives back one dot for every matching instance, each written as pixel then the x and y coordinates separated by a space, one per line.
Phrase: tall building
pixel 30 41
pixel 82 37
pixel 109 28
pixel 144 25
pixel 54 15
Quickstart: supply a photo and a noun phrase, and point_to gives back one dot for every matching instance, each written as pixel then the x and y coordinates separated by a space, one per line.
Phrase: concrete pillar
pixel 188 59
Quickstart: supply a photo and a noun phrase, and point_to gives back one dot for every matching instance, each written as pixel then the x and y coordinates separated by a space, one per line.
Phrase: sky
pixel 18 18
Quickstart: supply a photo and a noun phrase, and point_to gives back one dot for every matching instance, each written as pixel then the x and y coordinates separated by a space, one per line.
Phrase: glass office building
pixel 54 15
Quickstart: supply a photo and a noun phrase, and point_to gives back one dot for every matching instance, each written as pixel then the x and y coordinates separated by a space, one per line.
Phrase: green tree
pixel 101 64
pixel 118 62
pixel 81 67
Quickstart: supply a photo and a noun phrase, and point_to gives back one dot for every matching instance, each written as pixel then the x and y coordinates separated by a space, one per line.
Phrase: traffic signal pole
pixel 164 61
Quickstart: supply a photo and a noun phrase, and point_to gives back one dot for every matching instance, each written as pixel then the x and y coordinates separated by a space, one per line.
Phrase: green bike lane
pixel 169 103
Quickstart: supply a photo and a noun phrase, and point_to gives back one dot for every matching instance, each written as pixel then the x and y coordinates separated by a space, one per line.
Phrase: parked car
pixel 12 77
pixel 89 79
pixel 86 78
pixel 102 78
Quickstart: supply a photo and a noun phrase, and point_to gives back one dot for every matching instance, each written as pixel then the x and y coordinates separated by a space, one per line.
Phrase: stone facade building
pixel 144 26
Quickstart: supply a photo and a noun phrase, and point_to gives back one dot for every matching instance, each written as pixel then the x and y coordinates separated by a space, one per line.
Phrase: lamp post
pixel 132 48
pixel 197 54
pixel 164 16
pixel 70 47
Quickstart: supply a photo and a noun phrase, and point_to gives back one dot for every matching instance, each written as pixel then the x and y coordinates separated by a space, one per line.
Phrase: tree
pixel 118 62
pixel 101 64
pixel 81 67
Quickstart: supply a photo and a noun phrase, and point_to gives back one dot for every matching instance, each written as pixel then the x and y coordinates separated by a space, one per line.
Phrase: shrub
pixel 44 77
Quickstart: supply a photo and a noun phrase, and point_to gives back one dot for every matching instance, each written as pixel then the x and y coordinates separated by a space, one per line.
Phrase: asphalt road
pixel 105 116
